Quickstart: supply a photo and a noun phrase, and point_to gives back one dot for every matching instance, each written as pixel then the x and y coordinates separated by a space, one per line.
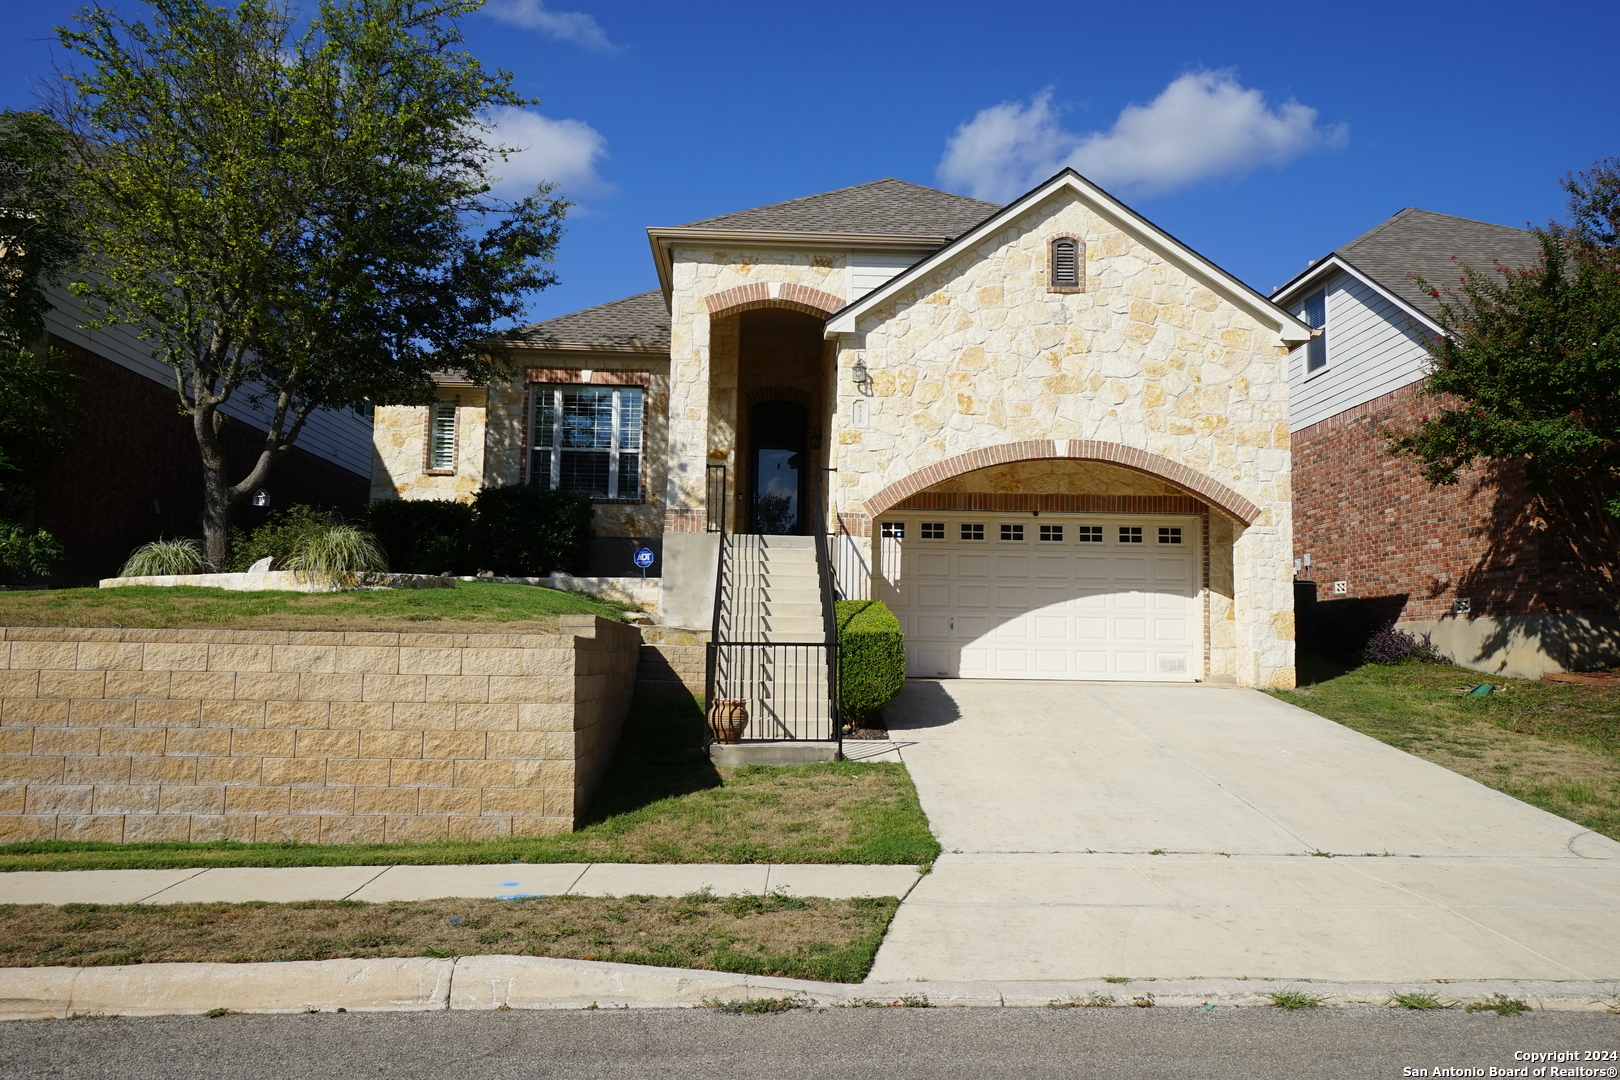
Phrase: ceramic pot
pixel 727 719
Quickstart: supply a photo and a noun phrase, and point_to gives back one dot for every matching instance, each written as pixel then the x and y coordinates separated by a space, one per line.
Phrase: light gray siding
pixel 340 436
pixel 868 270
pixel 1371 351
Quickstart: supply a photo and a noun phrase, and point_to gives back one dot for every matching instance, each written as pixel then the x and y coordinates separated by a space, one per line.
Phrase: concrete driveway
pixel 1184 831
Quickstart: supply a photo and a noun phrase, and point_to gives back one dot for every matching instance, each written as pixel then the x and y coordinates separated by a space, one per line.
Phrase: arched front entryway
pixel 1058 560
pixel 770 401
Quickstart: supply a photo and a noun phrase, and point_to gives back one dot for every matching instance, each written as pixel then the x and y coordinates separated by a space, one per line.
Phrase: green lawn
pixel 1553 745
pixel 502 608
pixel 661 801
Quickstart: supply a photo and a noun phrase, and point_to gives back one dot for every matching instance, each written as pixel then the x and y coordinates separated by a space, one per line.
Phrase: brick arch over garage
pixel 788 295
pixel 1195 483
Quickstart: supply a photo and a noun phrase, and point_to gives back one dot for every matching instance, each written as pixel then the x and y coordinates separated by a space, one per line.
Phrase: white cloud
pixel 574 26
pixel 564 152
pixel 1203 125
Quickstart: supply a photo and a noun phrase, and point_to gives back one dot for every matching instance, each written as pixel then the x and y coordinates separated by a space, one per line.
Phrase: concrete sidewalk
pixel 500 881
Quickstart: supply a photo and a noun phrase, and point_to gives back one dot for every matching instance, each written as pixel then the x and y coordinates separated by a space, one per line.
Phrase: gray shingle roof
pixel 1424 243
pixel 616 323
pixel 886 207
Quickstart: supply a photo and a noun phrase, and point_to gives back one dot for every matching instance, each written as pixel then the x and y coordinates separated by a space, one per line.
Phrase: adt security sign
pixel 644 559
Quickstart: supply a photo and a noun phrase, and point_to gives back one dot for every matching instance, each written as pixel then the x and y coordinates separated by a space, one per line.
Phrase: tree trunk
pixel 216 488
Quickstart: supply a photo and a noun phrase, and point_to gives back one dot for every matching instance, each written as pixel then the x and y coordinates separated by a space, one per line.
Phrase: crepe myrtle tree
pixel 300 221
pixel 1528 365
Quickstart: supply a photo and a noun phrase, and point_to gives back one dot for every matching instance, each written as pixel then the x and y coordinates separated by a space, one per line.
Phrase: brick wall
pixel 257 736
pixel 1369 519
pixel 132 449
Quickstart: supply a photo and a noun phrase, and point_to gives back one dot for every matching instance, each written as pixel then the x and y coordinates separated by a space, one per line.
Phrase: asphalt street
pixel 894 1044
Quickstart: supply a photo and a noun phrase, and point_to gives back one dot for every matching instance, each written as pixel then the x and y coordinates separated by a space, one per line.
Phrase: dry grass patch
pixel 1553 745
pixel 505 609
pixel 830 940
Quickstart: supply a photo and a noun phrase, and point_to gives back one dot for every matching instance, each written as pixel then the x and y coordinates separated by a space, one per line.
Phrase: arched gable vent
pixel 1067 269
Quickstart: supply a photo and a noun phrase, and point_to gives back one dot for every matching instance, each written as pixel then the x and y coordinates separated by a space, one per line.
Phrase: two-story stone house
pixel 1050 436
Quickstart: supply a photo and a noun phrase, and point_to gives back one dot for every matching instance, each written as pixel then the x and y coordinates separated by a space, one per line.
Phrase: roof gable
pixel 886 207
pixel 1431 245
pixel 1166 246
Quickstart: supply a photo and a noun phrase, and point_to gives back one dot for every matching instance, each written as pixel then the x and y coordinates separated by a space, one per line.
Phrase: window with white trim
pixel 586 439
pixel 1313 312
pixel 894 530
pixel 441 438
pixel 1012 532
pixel 933 530
pixel 1170 534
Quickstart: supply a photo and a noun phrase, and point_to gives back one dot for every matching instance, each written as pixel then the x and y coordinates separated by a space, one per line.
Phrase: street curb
pixel 475 983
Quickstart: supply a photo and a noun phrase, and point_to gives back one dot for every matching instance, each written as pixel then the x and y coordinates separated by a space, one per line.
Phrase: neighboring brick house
pixel 1467 562
pixel 133 472
pixel 1052 438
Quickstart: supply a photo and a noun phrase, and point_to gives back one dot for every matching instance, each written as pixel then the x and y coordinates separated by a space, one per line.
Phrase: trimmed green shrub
pixel 529 531
pixel 25 554
pixel 425 536
pixel 277 538
pixel 872 657
pixel 161 558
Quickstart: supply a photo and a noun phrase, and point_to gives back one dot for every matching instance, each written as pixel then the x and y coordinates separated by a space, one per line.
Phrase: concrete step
pixel 777 543
pixel 776 609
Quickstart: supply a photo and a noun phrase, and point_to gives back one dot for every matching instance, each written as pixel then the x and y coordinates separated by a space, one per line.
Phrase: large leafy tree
pixel 37 394
pixel 1526 374
pixel 303 221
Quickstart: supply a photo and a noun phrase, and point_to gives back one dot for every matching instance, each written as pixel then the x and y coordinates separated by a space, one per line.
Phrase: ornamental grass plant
pixel 162 558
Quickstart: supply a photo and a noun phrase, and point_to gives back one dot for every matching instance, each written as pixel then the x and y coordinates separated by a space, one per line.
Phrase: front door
pixel 778 467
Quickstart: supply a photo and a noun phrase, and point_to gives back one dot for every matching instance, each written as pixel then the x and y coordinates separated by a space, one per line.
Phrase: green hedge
pixel 872 657
pixel 424 536
pixel 529 531
pixel 511 531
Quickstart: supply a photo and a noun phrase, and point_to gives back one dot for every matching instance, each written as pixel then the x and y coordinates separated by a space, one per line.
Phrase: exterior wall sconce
pixel 862 377
pixel 261 498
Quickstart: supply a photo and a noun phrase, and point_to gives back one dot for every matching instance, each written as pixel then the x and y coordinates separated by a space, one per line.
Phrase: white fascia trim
pixel 1315 274
pixel 1287 328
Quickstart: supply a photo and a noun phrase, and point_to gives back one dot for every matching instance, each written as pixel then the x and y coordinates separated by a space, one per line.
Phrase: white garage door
pixel 1059 596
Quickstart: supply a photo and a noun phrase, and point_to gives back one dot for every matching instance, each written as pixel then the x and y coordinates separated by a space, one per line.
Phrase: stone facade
pixel 979 353
pixel 491 434
pixel 399 449
pixel 1160 378
pixel 257 736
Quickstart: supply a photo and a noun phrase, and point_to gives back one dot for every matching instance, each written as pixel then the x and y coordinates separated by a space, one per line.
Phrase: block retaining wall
pixel 126 735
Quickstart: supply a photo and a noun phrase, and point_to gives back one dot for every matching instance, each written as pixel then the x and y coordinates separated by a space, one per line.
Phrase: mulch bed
pixel 1584 678
pixel 873 727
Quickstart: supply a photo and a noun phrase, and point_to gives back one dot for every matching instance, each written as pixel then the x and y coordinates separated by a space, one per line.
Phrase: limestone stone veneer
pixel 126 735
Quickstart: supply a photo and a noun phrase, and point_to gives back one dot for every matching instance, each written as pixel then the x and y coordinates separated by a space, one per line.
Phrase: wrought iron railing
pixel 790 686
pixel 714 498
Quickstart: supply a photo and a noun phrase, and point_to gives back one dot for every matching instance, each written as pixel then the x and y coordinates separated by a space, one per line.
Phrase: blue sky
pixel 1262 135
